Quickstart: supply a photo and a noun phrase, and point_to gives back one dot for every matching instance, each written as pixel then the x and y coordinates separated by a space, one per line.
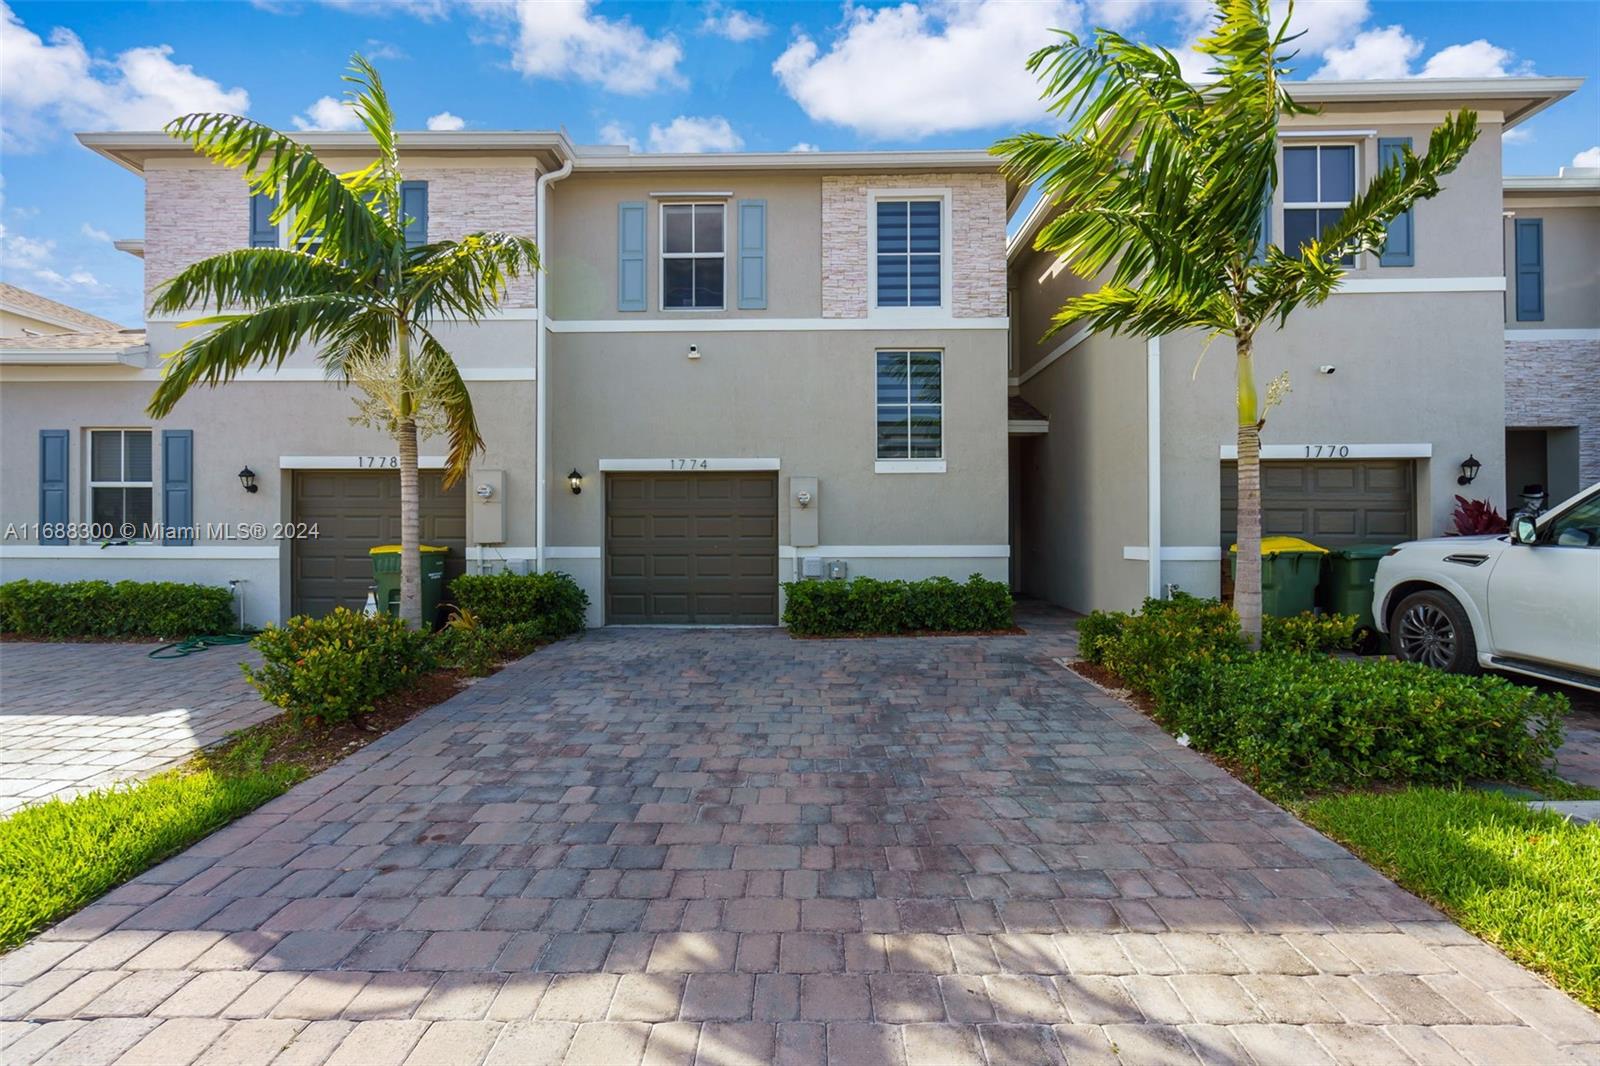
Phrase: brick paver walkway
pixel 729 846
pixel 75 717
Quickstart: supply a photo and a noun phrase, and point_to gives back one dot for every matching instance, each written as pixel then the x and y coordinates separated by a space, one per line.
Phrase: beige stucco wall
pixel 582 249
pixel 1571 263
pixel 977 240
pixel 194 209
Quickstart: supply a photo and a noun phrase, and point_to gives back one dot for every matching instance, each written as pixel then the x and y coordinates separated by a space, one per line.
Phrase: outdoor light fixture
pixel 247 478
pixel 1469 471
pixel 575 480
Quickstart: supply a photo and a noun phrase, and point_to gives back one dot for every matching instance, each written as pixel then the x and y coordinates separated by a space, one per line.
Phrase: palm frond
pixel 1118 309
pixel 379 182
pixel 465 279
pixel 248 278
pixel 456 403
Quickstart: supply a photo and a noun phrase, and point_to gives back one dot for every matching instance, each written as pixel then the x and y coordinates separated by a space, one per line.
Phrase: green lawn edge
pixel 1525 880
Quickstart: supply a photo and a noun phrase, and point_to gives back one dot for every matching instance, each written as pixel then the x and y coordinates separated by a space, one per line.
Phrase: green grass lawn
pixel 1527 881
pixel 59 855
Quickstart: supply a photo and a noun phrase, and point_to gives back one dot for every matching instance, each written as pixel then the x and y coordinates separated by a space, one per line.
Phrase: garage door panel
pixel 1336 478
pixel 708 543
pixel 1283 478
pixel 1331 503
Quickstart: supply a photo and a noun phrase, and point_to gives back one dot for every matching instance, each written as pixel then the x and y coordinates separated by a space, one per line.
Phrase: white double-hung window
pixel 121 485
pixel 910 411
pixel 693 256
pixel 1319 182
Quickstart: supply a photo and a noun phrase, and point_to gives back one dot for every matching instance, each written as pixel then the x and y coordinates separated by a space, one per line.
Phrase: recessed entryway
pixel 691 548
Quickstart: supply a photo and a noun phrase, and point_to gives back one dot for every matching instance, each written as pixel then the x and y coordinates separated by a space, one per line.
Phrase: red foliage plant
pixel 1473 517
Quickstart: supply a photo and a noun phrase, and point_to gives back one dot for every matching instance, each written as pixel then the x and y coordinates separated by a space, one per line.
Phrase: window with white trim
pixel 693 256
pixel 1319 182
pixel 121 482
pixel 908 253
pixel 910 404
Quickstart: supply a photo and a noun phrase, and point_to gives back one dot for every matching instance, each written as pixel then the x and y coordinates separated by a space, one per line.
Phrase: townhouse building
pixel 1396 382
pixel 734 370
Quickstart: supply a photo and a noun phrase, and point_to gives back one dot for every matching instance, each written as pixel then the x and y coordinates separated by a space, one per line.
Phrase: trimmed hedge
pixel 1292 719
pixel 336 666
pixel 865 605
pixel 548 606
pixel 466 644
pixel 166 609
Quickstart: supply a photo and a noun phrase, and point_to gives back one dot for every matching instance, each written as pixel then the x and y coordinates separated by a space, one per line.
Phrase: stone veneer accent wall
pixel 1557 383
pixel 978 243
pixel 195 212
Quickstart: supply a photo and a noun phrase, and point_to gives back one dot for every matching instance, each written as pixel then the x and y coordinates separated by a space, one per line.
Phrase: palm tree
pixel 1164 183
pixel 346 283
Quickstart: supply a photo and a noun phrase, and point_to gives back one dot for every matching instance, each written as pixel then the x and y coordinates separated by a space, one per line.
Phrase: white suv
pixel 1527 601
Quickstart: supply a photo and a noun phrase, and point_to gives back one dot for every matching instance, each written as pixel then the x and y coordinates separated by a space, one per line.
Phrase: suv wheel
pixel 1431 628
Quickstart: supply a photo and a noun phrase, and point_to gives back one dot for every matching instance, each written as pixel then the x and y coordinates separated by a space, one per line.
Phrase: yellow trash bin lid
pixel 1274 545
pixel 394 549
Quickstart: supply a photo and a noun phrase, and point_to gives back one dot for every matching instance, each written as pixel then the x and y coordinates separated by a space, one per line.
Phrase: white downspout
pixel 1152 414
pixel 542 365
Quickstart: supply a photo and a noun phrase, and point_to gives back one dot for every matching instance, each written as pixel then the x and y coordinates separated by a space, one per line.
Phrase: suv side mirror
pixel 1524 530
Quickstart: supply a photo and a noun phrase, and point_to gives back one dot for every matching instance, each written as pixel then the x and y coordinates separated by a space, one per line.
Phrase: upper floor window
pixel 693 256
pixel 908 252
pixel 1319 182
pixel 121 488
pixel 910 405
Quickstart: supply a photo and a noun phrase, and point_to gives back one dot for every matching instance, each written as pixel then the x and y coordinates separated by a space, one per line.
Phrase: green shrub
pixel 333 667
pixel 165 609
pixel 552 604
pixel 867 605
pixel 1097 630
pixel 1309 633
pixel 1166 632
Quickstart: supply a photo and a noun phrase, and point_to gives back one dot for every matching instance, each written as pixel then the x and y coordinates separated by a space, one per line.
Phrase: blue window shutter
pixel 752 255
pixel 1530 269
pixel 54 446
pixel 414 206
pixel 1265 237
pixel 1400 249
pixel 263 234
pixel 177 485
pixel 630 257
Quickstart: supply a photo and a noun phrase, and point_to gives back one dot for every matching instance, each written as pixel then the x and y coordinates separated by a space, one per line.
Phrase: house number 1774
pixel 690 464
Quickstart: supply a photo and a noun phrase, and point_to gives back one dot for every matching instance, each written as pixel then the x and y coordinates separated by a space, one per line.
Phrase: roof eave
pixel 129 150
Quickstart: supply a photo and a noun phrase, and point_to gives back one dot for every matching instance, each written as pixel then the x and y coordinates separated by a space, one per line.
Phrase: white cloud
pixel 732 23
pixel 444 120
pixel 1475 59
pixel 1384 52
pixel 564 39
pixel 95 234
pixel 691 134
pixel 46 85
pixel 1589 157
pixel 377 49
pixel 1517 135
pixel 28 253
pixel 617 133
pixel 911 71
pixel 328 114
pixel 805 146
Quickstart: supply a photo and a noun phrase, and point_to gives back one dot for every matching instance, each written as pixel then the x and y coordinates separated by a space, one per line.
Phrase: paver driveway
pixel 733 846
pixel 75 717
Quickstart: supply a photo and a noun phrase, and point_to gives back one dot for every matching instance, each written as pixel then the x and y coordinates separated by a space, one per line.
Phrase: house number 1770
pixel 1327 451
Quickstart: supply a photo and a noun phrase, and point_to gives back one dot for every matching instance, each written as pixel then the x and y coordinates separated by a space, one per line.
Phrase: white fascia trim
pixel 1308 452
pixel 1313 133
pixel 773 325
pixel 1553 334
pixel 138 551
pixel 1056 353
pixel 956 159
pixel 74 356
pixel 1359 286
pixel 354 462
pixel 900 551
pixel 692 194
pixel 1027 427
pixel 503 314
pixel 676 465
pixel 908 466
pixel 1175 553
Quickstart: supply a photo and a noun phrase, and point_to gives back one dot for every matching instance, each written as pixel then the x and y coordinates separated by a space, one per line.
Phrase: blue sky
pixel 681 75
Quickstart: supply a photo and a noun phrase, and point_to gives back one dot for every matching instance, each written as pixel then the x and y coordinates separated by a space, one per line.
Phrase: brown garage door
pixel 1332 504
pixel 354 511
pixel 691 549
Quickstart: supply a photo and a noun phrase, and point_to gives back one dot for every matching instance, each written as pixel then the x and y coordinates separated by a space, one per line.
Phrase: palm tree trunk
pixel 410 527
pixel 1247 578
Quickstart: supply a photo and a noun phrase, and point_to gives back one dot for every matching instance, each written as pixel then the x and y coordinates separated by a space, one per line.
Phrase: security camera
pixel 1326 368
pixel 694 351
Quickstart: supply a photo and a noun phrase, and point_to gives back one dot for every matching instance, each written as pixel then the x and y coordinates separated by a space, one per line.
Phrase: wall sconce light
pixel 1469 471
pixel 575 481
pixel 247 478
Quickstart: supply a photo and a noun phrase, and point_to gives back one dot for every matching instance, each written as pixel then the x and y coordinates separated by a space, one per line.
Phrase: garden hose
pixel 179 649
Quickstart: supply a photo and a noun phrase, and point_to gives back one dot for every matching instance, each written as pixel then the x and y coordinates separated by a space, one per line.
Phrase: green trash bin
pixel 1347 586
pixel 1290 570
pixel 386 574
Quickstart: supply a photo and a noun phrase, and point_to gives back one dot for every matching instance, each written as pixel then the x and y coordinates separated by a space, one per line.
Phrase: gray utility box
pixel 838 570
